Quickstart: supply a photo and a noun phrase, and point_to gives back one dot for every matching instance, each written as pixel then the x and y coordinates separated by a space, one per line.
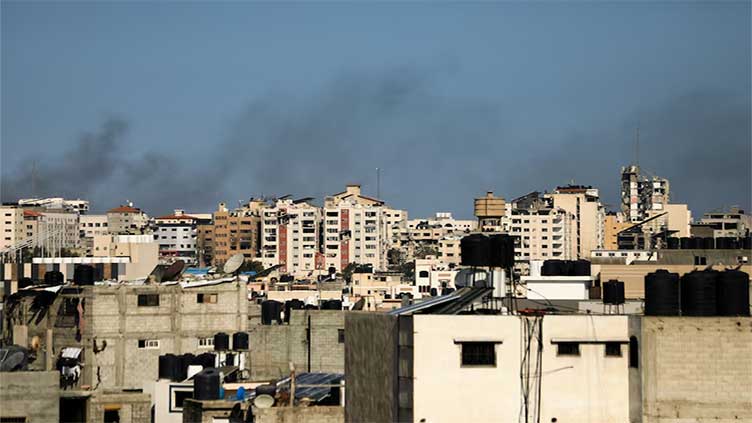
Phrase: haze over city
pixel 188 106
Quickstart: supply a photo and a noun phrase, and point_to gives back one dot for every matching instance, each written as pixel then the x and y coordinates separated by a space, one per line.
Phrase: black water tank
pixel 698 293
pixel 732 293
pixel 169 367
pixel 206 385
pixel 747 243
pixel 696 243
pixel 672 243
pixel 271 311
pixel 685 243
pixel 501 251
pixel 54 277
pixel 185 361
pixel 24 282
pixel 447 291
pixel 331 305
pixel 205 360
pixel 434 292
pixel 708 243
pixel 613 292
pixel 475 250
pixel 551 268
pixel 662 293
pixel 582 268
pixel 83 274
pixel 724 243
pixel 229 359
pixel 240 341
pixel 221 342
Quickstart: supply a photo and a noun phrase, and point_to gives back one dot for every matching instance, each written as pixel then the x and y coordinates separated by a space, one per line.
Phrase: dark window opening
pixel 12 419
pixel 206 298
pixel 478 354
pixel 634 353
pixel 180 397
pixel 701 261
pixel 341 336
pixel 423 274
pixel 111 416
pixel 568 348
pixel 148 300
pixel 613 349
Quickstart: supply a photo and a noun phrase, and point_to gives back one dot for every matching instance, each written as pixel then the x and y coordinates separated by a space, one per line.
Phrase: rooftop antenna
pixel 378 183
pixel 637 146
pixel 33 179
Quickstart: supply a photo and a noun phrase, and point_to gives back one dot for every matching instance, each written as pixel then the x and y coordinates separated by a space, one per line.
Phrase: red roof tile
pixel 124 209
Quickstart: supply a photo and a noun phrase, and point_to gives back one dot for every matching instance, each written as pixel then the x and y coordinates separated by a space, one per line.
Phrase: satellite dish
pixel 263 401
pixel 174 271
pixel 233 263
pixel 157 273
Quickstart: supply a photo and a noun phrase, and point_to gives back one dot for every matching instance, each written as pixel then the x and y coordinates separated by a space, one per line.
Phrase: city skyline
pixel 227 105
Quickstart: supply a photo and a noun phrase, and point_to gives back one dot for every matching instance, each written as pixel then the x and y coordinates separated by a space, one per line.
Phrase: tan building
pixel 450 252
pixel 127 220
pixel 542 234
pixel 205 244
pixel 583 204
pixel 12 229
pixel 733 223
pixel 235 232
pixel 612 225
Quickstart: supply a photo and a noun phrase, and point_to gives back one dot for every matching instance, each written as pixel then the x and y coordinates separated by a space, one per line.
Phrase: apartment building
pixel 613 223
pixel 58 203
pixel 733 223
pixel 357 229
pixel 543 234
pixel 12 229
pixel 205 243
pixel 583 204
pixel 176 236
pixel 127 220
pixel 93 224
pixel 450 252
pixel 641 193
pixel 290 236
pixel 233 232
pixel 52 230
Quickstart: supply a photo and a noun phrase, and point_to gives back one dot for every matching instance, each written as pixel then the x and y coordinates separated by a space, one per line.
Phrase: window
pixel 341 336
pixel 206 342
pixel 148 343
pixel 423 274
pixel 634 352
pixel 112 416
pixel 206 298
pixel 478 354
pixel 568 348
pixel 613 349
pixel 701 261
pixel 148 300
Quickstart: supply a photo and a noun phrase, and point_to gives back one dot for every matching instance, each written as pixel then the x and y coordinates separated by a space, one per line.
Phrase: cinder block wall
pixel 697 369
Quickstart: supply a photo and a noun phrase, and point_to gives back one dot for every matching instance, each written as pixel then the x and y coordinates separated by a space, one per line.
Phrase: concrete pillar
pixel 49 353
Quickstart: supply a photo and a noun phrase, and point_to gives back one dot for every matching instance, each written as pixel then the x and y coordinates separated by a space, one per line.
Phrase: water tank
pixel 698 293
pixel 54 277
pixel 685 243
pixel 551 268
pixel 331 305
pixel 747 243
pixel 582 268
pixel 206 385
pixel 240 341
pixel 475 250
pixel 229 359
pixel 24 282
pixel 83 274
pixel 613 292
pixel 696 243
pixel 268 389
pixel 501 251
pixel 270 311
pixel 708 243
pixel 221 342
pixel 732 293
pixel 447 291
pixel 662 293
pixel 724 243
pixel 567 267
pixel 672 243
pixel 169 367
pixel 185 361
pixel 205 360
pixel 434 292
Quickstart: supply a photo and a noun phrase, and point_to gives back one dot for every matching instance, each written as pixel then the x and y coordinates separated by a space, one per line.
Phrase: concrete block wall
pixel 132 407
pixel 33 395
pixel 273 347
pixel 315 414
pixel 696 369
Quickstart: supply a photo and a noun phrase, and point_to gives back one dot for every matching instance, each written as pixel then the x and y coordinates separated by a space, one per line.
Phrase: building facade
pixel 127 220
pixel 176 236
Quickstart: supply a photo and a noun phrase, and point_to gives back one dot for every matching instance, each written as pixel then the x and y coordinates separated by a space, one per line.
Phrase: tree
pixel 425 250
pixel 252 266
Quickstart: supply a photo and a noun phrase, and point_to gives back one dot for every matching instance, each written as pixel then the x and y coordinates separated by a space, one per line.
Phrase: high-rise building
pixel 641 194
pixel 584 205
pixel 176 236
pixel 234 232
pixel 12 230
pixel 290 236
pixel 127 220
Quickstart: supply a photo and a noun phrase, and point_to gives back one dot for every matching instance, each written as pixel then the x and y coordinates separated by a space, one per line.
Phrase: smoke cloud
pixel 436 152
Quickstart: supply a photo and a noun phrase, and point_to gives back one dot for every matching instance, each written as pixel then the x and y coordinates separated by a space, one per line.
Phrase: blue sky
pixel 223 101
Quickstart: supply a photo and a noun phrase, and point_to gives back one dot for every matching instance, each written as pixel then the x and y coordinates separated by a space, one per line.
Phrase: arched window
pixel 423 274
pixel 634 352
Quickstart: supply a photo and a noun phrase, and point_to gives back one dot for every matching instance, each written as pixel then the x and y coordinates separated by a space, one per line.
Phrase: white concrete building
pixel 93 224
pixel 12 230
pixel 127 220
pixel 358 229
pixel 176 236
pixel 290 237
pixel 433 273
pixel 543 234
pixel 77 206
